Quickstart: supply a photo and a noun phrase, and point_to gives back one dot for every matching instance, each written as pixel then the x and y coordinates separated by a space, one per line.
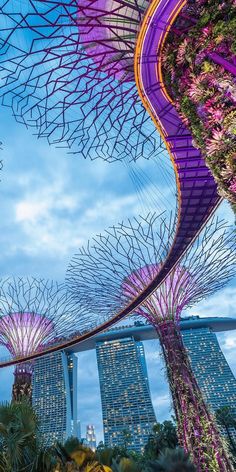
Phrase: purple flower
pixel 201 111
pixel 200 57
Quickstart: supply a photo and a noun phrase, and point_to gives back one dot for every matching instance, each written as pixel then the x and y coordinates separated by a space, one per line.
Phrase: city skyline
pixel 89 406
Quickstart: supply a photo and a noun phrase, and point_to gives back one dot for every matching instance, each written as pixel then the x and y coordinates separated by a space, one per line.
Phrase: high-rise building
pixel 55 395
pixel 91 437
pixel 72 363
pixel 211 369
pixel 128 414
pixel 78 435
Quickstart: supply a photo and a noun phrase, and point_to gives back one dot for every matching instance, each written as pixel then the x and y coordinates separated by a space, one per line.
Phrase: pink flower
pixel 210 102
pixel 196 88
pixel 232 186
pixel 184 119
pixel 228 87
pixel 217 114
pixel 216 143
pixel 181 52
pixel 206 31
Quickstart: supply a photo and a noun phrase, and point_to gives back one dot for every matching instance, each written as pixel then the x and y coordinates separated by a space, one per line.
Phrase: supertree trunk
pixel 197 431
pixel 22 387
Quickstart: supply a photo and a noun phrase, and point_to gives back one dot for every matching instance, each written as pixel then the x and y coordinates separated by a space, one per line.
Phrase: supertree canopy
pixel 168 301
pixel 34 313
pixel 23 333
pixel 67 68
pixel 118 265
pixel 108 31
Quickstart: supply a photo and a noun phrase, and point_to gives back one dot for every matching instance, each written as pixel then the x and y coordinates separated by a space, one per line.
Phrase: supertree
pixel 34 313
pixel 67 68
pixel 117 266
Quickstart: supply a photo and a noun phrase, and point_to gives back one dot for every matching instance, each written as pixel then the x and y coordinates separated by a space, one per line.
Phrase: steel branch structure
pixel 34 314
pixel 98 271
pixel 22 333
pixel 118 265
pixel 54 78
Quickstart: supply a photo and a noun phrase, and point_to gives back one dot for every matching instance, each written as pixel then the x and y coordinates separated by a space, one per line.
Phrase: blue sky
pixel 51 204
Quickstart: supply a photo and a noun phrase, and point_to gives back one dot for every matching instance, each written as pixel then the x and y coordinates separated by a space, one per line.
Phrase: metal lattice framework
pixel 118 265
pixel 34 314
pixel 24 331
pixel 168 301
pixel 53 76
pixel 97 272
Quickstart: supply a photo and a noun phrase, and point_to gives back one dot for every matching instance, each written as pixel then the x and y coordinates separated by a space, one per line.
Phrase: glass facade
pixel 210 367
pixel 128 414
pixel 54 395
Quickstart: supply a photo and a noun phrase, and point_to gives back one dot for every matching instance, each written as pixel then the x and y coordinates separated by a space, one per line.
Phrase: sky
pixel 51 204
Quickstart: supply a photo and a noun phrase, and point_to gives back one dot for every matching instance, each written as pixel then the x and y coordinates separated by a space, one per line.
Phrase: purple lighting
pixel 196 428
pixel 108 31
pixel 67 69
pixel 168 301
pixel 23 333
pixel 34 314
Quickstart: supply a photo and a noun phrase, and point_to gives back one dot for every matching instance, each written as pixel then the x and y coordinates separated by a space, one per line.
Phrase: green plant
pixel 163 436
pixel 171 460
pixel 202 88
pixel 18 434
pixel 226 418
pixel 125 464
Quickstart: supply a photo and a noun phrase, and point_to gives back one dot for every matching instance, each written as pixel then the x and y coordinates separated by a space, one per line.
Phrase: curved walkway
pixel 197 193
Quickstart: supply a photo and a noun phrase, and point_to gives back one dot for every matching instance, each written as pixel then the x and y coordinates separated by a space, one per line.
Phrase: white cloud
pixel 28 211
pixel 54 221
pixel 230 341
pixel 223 303
pixel 160 401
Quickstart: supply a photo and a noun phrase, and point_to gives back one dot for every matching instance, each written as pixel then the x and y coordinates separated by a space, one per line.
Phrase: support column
pixel 22 387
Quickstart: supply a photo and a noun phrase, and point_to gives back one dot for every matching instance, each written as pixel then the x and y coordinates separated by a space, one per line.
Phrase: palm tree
pixel 163 436
pixel 171 460
pixel 105 455
pixel 125 464
pixel 18 430
pixel 77 457
pixel 46 460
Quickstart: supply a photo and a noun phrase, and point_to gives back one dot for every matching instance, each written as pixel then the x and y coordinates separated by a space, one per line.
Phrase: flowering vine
pixel 199 69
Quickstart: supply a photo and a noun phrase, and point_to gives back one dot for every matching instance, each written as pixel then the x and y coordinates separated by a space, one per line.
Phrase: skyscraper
pixel 211 369
pixel 78 430
pixel 128 415
pixel 55 395
pixel 91 437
